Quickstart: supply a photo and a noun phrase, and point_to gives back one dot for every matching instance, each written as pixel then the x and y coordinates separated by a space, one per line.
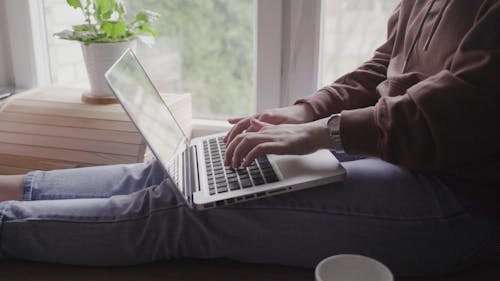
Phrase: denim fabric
pixel 131 214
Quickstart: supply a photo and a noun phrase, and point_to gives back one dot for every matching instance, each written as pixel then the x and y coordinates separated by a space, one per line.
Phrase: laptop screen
pixel 145 107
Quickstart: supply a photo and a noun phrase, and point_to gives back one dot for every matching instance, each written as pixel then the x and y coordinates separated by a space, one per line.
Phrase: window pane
pixel 65 57
pixel 352 30
pixel 204 47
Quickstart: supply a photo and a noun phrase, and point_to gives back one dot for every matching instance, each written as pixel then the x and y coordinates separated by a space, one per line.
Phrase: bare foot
pixel 11 187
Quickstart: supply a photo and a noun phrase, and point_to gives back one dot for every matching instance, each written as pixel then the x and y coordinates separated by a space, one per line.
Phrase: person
pixel 418 125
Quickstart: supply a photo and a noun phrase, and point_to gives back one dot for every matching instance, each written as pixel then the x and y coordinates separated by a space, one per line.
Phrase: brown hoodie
pixel 429 99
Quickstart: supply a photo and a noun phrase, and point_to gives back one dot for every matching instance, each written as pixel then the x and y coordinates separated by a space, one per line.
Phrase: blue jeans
pixel 131 214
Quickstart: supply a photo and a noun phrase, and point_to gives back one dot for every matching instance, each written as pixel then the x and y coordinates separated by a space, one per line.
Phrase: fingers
pixel 249 124
pixel 240 141
pixel 247 144
pixel 235 120
pixel 263 138
pixel 271 118
pixel 262 149
pixel 237 129
pixel 240 149
pixel 230 157
pixel 230 146
pixel 240 146
pixel 256 125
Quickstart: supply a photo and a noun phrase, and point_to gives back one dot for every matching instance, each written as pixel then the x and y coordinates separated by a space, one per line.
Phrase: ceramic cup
pixel 352 268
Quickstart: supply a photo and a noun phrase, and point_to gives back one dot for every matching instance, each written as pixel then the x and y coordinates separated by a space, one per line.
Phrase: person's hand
pixel 296 114
pixel 297 139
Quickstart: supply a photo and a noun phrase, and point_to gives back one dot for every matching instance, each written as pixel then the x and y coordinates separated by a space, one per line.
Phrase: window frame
pixel 287 50
pixel 28 43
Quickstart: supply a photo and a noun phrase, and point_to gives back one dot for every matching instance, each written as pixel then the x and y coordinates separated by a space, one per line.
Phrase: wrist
pixel 322 134
pixel 306 111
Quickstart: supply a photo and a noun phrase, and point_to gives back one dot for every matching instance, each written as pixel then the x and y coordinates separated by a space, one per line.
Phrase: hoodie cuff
pixel 359 133
pixel 321 103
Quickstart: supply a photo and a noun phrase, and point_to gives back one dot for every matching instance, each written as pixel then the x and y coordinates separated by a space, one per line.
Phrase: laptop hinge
pixel 191 176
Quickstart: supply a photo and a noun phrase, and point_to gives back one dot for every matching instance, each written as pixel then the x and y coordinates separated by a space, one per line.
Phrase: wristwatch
pixel 333 125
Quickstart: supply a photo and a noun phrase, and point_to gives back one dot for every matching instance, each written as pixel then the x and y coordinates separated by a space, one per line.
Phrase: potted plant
pixel 104 36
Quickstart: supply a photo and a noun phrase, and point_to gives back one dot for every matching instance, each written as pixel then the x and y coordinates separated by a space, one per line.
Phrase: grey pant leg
pixel 411 222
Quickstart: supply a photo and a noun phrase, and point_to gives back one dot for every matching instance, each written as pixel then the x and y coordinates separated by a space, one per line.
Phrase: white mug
pixel 352 268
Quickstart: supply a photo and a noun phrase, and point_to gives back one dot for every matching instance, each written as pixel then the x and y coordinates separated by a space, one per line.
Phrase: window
pixel 352 30
pixel 234 56
pixel 65 57
pixel 203 47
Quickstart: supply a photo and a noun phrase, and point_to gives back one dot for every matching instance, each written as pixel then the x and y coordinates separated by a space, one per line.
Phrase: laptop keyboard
pixel 223 179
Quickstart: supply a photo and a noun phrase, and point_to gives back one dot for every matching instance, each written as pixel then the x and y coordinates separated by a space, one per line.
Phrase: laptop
pixel 196 166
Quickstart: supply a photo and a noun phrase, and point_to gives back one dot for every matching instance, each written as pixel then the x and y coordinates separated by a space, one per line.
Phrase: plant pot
pixel 99 57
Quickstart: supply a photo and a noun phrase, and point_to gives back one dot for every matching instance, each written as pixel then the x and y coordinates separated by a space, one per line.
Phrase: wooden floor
pixel 198 270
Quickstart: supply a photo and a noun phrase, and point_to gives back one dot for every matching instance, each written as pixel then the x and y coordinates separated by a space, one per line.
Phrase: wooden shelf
pixel 51 128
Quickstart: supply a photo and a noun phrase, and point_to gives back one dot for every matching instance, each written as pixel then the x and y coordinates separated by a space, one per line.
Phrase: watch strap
pixel 333 125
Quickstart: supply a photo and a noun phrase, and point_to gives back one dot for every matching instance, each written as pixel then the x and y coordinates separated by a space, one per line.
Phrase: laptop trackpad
pixel 321 163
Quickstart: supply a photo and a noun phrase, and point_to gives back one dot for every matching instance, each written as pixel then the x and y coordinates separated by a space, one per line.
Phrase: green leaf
pixel 146 29
pixel 147 16
pixel 81 27
pixel 74 3
pixel 65 34
pixel 120 9
pixel 99 27
pixel 114 29
pixel 82 36
pixel 103 6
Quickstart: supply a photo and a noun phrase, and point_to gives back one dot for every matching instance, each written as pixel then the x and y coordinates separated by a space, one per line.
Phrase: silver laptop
pixel 196 166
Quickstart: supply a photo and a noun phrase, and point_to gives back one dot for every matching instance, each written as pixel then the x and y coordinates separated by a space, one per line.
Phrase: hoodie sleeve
pixel 445 122
pixel 356 89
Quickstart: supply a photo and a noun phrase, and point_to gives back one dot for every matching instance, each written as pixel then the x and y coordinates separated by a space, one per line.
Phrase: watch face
pixel 334 124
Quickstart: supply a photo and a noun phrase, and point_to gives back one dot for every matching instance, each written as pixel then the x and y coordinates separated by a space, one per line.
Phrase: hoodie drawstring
pixel 435 25
pixel 419 33
pixel 431 34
